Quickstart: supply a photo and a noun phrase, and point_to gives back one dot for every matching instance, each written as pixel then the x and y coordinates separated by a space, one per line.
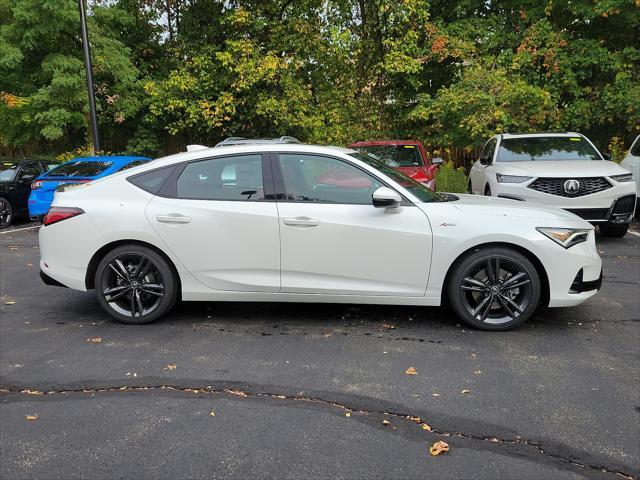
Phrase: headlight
pixel 625 177
pixel 566 237
pixel 511 178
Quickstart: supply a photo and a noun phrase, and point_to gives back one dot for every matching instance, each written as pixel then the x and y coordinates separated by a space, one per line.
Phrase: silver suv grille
pixel 556 186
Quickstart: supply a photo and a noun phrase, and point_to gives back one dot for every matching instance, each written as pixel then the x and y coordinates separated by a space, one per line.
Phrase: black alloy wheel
pixel 134 284
pixel 6 213
pixel 494 289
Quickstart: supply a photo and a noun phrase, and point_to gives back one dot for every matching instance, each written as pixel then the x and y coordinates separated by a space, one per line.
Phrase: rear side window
pixel 228 178
pixel 635 148
pixel 79 169
pixel 151 181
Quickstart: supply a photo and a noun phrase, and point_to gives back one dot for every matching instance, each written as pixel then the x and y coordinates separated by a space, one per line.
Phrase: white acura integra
pixel 303 223
pixel 560 169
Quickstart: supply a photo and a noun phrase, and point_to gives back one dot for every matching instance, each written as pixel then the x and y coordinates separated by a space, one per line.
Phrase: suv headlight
pixel 566 237
pixel 511 178
pixel 625 177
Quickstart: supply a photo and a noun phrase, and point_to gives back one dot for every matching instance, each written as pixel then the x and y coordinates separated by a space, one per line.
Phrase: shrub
pixel 451 179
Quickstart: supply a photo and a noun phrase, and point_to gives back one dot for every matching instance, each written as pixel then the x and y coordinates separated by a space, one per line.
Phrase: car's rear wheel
pixel 614 229
pixel 6 213
pixel 494 288
pixel 134 284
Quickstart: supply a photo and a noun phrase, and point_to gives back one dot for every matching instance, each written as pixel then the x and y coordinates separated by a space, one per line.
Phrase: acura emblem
pixel 572 186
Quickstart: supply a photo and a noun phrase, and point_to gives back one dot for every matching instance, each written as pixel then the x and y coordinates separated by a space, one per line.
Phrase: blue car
pixel 78 170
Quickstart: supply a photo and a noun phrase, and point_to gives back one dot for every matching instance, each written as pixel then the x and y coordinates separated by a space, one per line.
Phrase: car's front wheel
pixel 135 284
pixel 6 213
pixel 614 229
pixel 494 288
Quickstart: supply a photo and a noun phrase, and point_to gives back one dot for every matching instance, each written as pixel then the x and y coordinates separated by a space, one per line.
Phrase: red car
pixel 407 156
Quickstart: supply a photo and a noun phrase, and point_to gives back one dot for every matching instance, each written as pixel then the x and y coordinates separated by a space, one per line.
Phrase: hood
pixel 494 206
pixel 559 168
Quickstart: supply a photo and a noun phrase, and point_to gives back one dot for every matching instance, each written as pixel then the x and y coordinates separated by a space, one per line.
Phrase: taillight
pixel 57 214
pixel 37 184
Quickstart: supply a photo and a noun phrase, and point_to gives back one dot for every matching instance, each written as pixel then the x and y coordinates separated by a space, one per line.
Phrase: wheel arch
pixel 544 277
pixel 102 251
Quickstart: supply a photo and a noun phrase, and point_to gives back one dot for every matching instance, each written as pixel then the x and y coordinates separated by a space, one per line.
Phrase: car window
pixel 316 178
pixel 489 149
pixel 135 163
pixel 545 149
pixel 635 148
pixel 79 168
pixel 394 155
pixel 223 178
pixel 8 171
pixel 151 181
pixel 30 169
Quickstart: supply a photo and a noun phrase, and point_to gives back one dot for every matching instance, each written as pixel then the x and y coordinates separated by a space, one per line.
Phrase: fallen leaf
pixel 435 394
pixel 32 392
pixel 348 414
pixel 426 426
pixel 478 372
pixel 9 302
pixel 411 371
pixel 465 392
pixel 212 414
pixel 171 366
pixel 29 264
pixel 388 326
pixel 414 419
pixel 94 340
pixel 438 448
pixel 386 422
pixel 31 418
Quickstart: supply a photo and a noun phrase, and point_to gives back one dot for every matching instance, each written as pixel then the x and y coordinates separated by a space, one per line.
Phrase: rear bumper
pixel 50 281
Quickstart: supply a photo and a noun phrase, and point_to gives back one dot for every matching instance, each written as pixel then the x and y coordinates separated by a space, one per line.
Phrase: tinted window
pixel 226 178
pixel 489 149
pixel 314 178
pixel 79 169
pixel 545 149
pixel 8 171
pixel 635 148
pixel 424 193
pixel 395 155
pixel 135 163
pixel 30 169
pixel 151 181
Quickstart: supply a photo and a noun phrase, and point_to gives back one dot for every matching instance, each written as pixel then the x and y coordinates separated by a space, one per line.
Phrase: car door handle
pixel 301 222
pixel 173 218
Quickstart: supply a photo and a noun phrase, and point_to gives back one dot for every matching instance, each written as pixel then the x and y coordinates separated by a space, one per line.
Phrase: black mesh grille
pixel 590 213
pixel 555 186
pixel 625 204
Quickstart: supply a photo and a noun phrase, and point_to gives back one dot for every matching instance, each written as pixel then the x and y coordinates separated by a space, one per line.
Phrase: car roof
pixel 539 134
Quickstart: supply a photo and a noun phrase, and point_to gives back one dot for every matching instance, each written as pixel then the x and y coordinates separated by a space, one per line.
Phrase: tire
pixel 487 304
pixel 6 213
pixel 615 230
pixel 487 191
pixel 134 278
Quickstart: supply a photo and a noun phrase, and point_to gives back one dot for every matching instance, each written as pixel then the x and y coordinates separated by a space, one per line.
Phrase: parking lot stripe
pixel 19 229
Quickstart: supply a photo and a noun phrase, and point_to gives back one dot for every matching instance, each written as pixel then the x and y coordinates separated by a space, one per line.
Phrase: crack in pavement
pixel 515 446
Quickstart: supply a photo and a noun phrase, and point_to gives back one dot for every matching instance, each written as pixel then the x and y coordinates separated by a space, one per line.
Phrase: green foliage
pixel 450 179
pixel 449 72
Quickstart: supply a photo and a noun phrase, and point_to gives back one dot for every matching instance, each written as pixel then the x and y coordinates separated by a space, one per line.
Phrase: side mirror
pixel 436 161
pixel 384 197
pixel 27 178
pixel 485 160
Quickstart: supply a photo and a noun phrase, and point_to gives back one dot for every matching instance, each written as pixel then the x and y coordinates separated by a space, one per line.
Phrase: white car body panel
pixel 483 176
pixel 632 163
pixel 243 251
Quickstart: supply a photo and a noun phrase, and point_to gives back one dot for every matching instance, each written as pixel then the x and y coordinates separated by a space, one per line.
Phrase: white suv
pixel 632 163
pixel 560 169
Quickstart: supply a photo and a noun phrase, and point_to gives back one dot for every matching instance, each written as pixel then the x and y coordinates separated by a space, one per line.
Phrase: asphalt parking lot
pixel 315 391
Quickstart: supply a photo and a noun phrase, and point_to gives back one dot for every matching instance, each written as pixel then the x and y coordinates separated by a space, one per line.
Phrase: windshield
pixel 545 149
pixel 416 188
pixel 79 169
pixel 394 155
pixel 8 171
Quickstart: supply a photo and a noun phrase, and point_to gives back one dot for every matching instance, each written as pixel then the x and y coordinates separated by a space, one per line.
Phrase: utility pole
pixel 87 67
